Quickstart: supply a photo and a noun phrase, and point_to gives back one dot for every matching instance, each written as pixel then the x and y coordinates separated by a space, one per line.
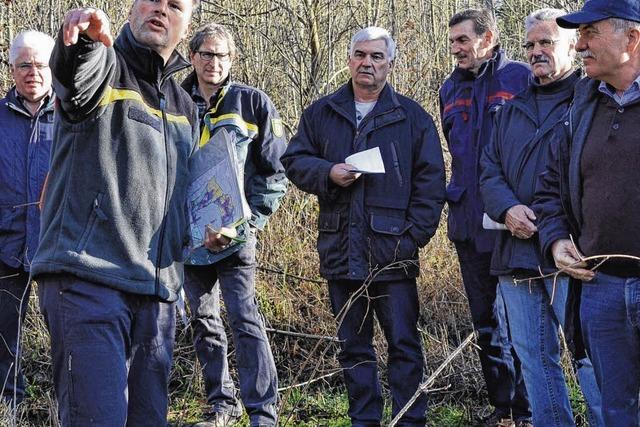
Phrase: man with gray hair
pixel 228 266
pixel 587 200
pixel 372 222
pixel 26 131
pixel 522 132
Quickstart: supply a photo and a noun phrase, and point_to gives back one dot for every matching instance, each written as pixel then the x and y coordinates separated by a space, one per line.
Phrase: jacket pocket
pixel 96 214
pixel 329 222
pixel 142 116
pixel 457 221
pixel 396 163
pixel 389 241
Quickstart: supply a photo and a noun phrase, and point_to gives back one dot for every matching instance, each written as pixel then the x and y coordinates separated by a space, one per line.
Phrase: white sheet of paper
pixel 489 224
pixel 367 161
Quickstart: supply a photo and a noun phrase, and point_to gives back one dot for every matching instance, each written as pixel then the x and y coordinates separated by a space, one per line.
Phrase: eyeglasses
pixel 208 56
pixel 25 67
pixel 544 44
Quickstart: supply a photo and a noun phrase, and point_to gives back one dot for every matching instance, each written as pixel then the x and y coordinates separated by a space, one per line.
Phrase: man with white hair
pixel 588 198
pixel 371 225
pixel 523 130
pixel 26 131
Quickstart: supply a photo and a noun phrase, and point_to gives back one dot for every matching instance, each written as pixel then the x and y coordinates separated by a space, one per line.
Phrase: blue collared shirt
pixel 628 96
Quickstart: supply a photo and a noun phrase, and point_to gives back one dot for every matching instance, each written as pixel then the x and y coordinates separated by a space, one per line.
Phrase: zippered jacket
pixel 468 104
pixel 559 191
pixel 557 201
pixel 25 145
pixel 115 205
pixel 374 227
pixel 511 164
pixel 251 118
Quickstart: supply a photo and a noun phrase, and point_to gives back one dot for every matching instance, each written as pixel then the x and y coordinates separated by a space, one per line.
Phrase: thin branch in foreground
pixel 423 388
pixel 302 335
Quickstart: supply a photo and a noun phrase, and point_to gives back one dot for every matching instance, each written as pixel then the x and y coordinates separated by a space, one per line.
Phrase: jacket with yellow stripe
pixel 114 208
pixel 249 115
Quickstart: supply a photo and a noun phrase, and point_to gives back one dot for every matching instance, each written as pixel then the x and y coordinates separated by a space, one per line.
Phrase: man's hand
pixel 519 220
pixel 341 176
pixel 568 259
pixel 218 240
pixel 90 21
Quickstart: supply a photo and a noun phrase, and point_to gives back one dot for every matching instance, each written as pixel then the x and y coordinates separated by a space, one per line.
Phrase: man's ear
pixel 633 45
pixel 487 39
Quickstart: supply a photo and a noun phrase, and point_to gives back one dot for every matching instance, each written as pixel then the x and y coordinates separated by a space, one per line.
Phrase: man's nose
pixel 161 7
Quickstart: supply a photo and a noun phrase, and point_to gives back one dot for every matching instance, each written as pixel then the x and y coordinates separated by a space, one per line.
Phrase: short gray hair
pixel 212 31
pixel 374 33
pixel 36 40
pixel 549 15
pixel 621 25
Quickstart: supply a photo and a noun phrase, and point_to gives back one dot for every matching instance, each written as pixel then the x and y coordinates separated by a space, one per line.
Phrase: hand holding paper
pixel 367 161
pixel 341 174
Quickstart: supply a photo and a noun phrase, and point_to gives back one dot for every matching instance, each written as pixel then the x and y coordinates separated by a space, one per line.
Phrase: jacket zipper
pixel 166 191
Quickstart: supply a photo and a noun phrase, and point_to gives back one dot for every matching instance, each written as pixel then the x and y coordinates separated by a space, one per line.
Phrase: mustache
pixel 539 59
pixel 586 54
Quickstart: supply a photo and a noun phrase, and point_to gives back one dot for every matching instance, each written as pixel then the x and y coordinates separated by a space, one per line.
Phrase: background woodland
pixel 295 50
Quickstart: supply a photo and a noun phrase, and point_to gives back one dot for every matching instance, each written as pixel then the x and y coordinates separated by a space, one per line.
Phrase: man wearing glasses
pixel 26 131
pixel 226 265
pixel 516 155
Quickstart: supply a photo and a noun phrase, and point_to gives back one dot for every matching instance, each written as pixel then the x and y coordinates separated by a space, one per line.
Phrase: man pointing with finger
pixel 114 220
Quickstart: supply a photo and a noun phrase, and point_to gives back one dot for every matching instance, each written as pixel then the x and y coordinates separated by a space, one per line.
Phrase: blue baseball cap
pixel 597 10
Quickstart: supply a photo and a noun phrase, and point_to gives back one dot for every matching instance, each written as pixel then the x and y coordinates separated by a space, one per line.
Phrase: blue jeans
pixel 534 323
pixel 500 365
pixel 14 299
pixel 610 319
pixel 111 353
pixel 396 306
pixel 234 276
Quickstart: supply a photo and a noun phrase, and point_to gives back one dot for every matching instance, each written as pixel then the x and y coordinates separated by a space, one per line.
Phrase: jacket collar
pixel 145 61
pixel 14 100
pixel 525 99
pixel 497 61
pixel 343 101
pixel 191 82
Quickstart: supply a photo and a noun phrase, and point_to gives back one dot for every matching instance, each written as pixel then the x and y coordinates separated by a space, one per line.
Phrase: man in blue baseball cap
pixel 599 10
pixel 587 199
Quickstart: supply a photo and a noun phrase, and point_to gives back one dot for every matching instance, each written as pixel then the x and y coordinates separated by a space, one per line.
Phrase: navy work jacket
pixel 468 104
pixel 25 145
pixel 511 163
pixel 374 227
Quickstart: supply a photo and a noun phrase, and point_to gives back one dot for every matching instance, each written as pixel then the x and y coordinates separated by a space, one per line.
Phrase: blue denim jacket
pixel 25 145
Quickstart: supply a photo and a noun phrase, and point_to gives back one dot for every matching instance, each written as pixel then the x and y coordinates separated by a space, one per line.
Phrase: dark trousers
pixel 500 365
pixel 111 353
pixel 396 306
pixel 14 299
pixel 235 277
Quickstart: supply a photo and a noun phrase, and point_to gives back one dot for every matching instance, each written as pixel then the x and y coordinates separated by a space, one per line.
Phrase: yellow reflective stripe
pixel 234 119
pixel 204 136
pixel 113 95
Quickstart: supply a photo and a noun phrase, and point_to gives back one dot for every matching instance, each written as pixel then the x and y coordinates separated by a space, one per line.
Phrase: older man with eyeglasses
pixel 523 131
pixel 26 131
pixel 228 266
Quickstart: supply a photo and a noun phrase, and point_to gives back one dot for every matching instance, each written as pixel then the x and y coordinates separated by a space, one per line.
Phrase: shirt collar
pixel 628 96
